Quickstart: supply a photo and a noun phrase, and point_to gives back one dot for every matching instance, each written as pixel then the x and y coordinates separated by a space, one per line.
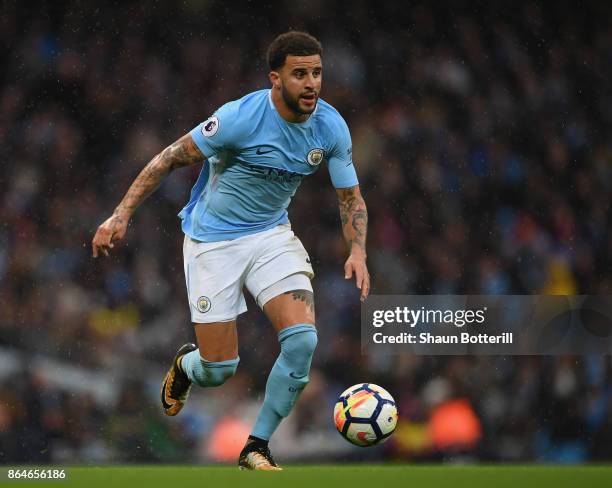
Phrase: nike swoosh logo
pixel 163 399
pixel 260 151
pixel 308 260
pixel 293 375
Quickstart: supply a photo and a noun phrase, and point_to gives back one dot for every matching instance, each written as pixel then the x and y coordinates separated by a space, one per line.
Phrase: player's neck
pixel 284 111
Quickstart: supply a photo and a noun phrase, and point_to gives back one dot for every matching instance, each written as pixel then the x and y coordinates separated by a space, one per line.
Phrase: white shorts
pixel 216 272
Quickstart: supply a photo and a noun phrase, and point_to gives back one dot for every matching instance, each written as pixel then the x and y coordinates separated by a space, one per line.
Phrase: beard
pixel 294 103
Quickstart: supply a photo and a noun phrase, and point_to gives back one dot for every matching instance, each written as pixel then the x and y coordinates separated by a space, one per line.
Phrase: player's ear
pixel 274 77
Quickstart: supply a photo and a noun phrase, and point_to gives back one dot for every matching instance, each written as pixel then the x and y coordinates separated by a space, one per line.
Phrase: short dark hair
pixel 292 43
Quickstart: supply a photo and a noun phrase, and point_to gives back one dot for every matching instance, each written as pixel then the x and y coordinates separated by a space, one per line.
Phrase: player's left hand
pixel 357 264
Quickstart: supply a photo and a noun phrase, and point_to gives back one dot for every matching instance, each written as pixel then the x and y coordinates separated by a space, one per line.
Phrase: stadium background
pixel 482 137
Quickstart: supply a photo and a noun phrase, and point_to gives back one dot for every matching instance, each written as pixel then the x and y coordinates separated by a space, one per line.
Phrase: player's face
pixel 300 83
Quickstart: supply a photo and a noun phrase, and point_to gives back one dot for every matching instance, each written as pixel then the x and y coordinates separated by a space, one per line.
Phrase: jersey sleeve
pixel 340 161
pixel 219 132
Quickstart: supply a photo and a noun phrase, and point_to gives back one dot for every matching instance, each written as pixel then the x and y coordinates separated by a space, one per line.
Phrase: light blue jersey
pixel 256 162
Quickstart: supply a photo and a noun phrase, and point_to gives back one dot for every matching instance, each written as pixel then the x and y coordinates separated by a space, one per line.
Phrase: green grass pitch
pixel 337 476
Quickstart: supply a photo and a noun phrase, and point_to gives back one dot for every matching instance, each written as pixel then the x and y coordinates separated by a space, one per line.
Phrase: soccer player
pixel 255 152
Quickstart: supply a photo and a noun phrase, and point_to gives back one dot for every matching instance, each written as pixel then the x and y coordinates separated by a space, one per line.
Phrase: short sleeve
pixel 340 161
pixel 219 132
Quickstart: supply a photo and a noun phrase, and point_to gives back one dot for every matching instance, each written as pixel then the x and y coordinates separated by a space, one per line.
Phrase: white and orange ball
pixel 365 414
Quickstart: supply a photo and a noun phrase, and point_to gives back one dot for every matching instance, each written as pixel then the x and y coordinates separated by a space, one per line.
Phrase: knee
pixel 213 373
pixel 298 348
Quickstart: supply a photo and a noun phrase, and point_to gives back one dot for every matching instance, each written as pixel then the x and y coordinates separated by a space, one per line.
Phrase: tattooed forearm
pixel 354 217
pixel 182 153
pixel 303 296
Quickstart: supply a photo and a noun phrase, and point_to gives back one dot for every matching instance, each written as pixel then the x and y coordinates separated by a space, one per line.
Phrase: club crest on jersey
pixel 315 156
pixel 210 126
pixel 203 304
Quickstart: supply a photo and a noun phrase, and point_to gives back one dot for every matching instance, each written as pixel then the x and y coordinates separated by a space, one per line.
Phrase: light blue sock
pixel 207 373
pixel 288 377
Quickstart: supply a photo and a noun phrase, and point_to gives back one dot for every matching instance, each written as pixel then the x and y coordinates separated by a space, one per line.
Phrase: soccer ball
pixel 365 414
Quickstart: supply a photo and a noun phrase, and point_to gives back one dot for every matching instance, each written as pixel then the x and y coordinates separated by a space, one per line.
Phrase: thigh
pixel 279 254
pixel 214 273
pixel 290 308
pixel 217 341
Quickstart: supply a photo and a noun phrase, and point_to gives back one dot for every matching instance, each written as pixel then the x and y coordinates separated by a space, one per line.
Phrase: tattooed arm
pixel 183 152
pixel 354 216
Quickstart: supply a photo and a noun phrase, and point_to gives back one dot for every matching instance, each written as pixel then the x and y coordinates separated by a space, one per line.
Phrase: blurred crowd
pixel 482 140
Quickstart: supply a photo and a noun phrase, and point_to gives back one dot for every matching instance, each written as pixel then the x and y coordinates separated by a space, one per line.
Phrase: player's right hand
pixel 111 230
